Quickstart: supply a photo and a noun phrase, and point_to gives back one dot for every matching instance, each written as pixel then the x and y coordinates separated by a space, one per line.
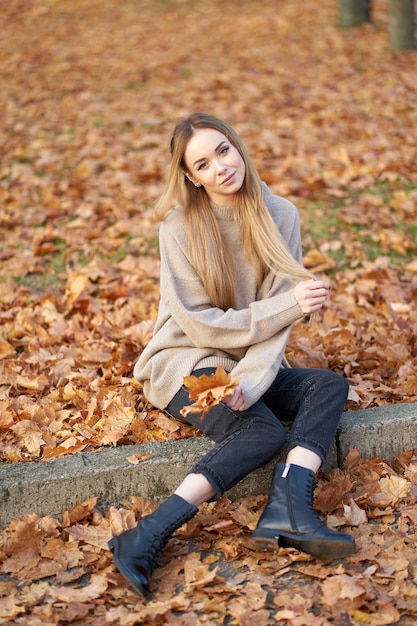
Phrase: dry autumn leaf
pixel 75 286
pixel 197 574
pixel 392 489
pixel 208 391
pixel 139 458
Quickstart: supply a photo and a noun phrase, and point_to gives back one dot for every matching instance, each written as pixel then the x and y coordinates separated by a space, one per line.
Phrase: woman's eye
pixel 202 166
pixel 224 150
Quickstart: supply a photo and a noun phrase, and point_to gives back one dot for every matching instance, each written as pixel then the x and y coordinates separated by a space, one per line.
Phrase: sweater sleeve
pixel 209 326
pixel 258 368
pixel 261 362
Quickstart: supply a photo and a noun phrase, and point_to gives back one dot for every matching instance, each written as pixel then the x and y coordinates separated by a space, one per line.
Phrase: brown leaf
pixel 139 458
pixel 30 436
pixel 79 512
pixel 197 574
pixel 97 586
pixel 97 536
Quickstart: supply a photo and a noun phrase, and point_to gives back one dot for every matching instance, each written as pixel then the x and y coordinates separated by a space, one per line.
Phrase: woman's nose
pixel 221 167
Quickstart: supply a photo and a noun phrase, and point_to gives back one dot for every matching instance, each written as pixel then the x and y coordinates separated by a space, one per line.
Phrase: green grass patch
pixel 65 259
pixel 354 227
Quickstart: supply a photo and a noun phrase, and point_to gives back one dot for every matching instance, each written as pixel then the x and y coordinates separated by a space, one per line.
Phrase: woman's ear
pixel 193 180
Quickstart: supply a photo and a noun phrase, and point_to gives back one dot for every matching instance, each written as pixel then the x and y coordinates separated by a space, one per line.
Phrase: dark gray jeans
pixel 312 399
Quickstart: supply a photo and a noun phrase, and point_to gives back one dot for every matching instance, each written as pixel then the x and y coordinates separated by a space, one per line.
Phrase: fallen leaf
pixel 139 458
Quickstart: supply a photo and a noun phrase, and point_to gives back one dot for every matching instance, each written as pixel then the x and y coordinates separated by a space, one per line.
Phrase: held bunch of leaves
pixel 58 570
pixel 208 391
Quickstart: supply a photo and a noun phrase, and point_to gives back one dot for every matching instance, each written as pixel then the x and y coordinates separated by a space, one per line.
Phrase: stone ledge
pixel 52 487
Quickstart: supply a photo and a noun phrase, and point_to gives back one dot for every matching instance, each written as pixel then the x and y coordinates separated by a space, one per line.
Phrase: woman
pixel 232 285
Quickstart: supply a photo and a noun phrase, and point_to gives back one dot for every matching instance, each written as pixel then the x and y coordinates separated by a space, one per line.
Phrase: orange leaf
pixel 208 391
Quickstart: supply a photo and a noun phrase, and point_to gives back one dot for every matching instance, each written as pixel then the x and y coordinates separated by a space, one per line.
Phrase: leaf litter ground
pixel 59 571
pixel 90 91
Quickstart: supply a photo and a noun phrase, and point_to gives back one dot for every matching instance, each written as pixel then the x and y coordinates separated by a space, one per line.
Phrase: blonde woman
pixel 232 285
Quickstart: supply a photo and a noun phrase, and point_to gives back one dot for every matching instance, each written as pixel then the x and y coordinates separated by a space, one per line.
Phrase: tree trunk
pixel 354 12
pixel 402 24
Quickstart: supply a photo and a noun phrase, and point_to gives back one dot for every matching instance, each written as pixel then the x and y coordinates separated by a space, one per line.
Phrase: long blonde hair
pixel 261 239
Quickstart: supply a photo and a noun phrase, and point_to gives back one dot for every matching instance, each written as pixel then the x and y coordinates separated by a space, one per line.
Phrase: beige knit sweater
pixel 248 341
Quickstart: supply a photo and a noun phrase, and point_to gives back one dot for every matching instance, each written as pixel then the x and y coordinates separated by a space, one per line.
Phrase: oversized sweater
pixel 248 341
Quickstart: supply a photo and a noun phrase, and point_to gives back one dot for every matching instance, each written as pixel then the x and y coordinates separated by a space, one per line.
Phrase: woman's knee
pixel 271 432
pixel 335 382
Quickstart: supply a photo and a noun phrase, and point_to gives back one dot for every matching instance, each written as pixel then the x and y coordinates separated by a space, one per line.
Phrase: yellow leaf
pixel 5 349
pixel 395 488
pixel 360 617
pixel 75 286
pixel 412 266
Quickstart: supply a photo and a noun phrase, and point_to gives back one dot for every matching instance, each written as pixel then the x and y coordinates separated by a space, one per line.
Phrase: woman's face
pixel 215 164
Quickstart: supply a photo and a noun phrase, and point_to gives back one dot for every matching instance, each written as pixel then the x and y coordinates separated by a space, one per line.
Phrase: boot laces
pixel 309 491
pixel 160 539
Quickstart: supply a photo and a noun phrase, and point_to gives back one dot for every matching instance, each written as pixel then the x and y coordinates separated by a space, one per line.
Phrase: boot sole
pixel 266 543
pixel 138 588
pixel 320 549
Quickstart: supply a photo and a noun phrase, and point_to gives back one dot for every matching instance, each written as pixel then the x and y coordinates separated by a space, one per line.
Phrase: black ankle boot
pixel 289 517
pixel 135 551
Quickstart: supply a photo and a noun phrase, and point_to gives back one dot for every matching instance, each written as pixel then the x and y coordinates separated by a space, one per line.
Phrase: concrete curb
pixel 52 487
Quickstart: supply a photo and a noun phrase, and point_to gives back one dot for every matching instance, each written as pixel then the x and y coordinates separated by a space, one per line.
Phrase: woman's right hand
pixel 235 401
pixel 311 294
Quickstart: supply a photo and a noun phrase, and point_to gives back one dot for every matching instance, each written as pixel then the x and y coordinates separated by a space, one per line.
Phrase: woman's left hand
pixel 235 401
pixel 311 295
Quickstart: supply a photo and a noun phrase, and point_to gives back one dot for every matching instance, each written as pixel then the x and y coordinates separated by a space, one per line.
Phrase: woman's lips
pixel 228 179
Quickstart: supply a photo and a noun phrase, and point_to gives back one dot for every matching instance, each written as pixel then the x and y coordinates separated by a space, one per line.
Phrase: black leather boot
pixel 135 551
pixel 289 517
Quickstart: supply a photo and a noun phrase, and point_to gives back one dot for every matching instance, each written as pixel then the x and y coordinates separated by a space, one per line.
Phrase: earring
pixel 197 184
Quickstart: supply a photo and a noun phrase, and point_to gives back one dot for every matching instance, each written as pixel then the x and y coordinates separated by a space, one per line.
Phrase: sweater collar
pixel 222 212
